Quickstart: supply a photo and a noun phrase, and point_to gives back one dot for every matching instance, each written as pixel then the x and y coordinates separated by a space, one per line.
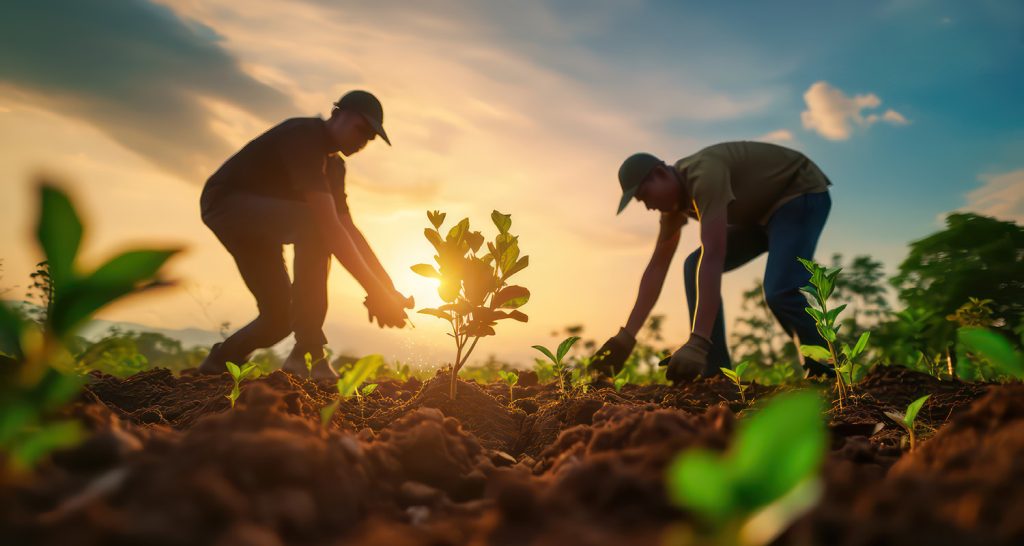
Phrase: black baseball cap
pixel 367 105
pixel 632 173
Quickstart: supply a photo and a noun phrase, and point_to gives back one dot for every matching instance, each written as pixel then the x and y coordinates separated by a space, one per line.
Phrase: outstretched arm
pixel 365 251
pixel 339 241
pixel 657 269
pixel 709 274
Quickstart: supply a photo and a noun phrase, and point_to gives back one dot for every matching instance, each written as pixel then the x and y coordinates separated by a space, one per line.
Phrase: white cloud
pixel 834 115
pixel 779 135
pixel 1000 196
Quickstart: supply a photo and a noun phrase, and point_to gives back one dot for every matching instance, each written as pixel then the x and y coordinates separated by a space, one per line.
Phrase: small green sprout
pixel 367 390
pixel 843 358
pixel 906 420
pixel 349 383
pixel 239 374
pixel 767 479
pixel 510 379
pixel 737 378
pixel 621 379
pixel 559 367
pixel 309 364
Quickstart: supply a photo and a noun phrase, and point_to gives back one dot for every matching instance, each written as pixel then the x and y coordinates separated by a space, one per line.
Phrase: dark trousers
pixel 792 232
pixel 253 229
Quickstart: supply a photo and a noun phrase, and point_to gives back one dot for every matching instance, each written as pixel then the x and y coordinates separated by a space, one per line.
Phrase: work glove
pixel 689 361
pixel 388 309
pixel 610 358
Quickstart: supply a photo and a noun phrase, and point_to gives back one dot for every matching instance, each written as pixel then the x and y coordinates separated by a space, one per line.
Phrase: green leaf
pixel 435 313
pixel 912 410
pixel 434 237
pixel 60 233
pixel 233 370
pixel 327 412
pixel 501 221
pixel 511 297
pixel 742 368
pixel 363 369
pixel 697 480
pixel 994 348
pixel 546 352
pixel 368 389
pixel 49 437
pixel 247 370
pixel 518 315
pixel 862 344
pixel 731 375
pixel 458 231
pixel 779 447
pixel 815 352
pixel 520 265
pixel 564 347
pixel 426 270
pixel 818 315
pixel 832 314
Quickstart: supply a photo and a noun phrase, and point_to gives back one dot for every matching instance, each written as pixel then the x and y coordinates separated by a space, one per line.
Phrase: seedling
pixel 510 379
pixel 621 379
pixel 31 386
pixel 766 480
pixel 556 361
pixel 906 420
pixel 309 364
pixel 737 378
pixel 349 383
pixel 239 374
pixel 843 358
pixel 474 288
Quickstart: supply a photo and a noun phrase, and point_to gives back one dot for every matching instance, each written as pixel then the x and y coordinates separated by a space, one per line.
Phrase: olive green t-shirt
pixel 747 181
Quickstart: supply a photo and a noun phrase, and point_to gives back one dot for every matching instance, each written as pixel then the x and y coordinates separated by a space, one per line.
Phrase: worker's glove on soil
pixel 388 309
pixel 610 358
pixel 689 361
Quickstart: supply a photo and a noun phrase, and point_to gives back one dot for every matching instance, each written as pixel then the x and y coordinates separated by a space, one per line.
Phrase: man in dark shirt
pixel 287 186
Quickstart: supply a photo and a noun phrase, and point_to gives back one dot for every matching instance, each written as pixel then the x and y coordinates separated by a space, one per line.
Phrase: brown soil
pixel 170 463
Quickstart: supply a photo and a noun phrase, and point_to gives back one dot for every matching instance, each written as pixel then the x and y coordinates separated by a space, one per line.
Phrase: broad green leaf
pixel 475 240
pixel 511 297
pixel 818 315
pixel 233 369
pixel 369 389
pixel 834 313
pixel 564 347
pixel 501 221
pixel 60 233
pixel 49 437
pixel 731 375
pixel 699 481
pixel 815 352
pixel 327 412
pixel 742 367
pixel 426 270
pixel 912 410
pixel 546 352
pixel 363 369
pixel 458 231
pixel 434 237
pixel 779 447
pixel 994 348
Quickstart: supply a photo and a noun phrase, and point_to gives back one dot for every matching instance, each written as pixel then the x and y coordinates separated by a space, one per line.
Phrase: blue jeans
pixel 253 229
pixel 791 232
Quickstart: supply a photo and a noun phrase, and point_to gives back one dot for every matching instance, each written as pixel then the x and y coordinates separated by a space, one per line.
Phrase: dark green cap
pixel 367 105
pixel 632 173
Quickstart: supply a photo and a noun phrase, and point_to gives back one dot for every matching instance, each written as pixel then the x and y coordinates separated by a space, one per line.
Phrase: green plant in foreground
pixel 994 348
pixel 842 357
pixel 349 383
pixel 31 383
pixel 510 379
pixel 556 359
pixel 766 480
pixel 736 376
pixel 239 374
pixel 906 420
pixel 474 288
pixel 621 379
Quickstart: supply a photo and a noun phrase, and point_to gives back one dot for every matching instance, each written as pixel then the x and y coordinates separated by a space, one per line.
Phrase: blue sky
pixel 910 106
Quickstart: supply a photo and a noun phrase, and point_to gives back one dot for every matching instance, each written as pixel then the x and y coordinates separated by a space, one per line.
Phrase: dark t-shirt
pixel 296 156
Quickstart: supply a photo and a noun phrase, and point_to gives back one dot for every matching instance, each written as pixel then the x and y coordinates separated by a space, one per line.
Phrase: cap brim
pixel 627 196
pixel 379 129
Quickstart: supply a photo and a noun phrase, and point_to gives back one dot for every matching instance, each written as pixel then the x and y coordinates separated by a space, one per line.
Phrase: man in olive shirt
pixel 749 198
pixel 287 186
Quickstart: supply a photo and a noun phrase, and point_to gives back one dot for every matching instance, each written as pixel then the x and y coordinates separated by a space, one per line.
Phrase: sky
pixel 912 108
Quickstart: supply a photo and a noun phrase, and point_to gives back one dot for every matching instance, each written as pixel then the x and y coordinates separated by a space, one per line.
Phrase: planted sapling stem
pixel 556 361
pixel 348 386
pixel 906 420
pixel 239 374
pixel 736 376
pixel 510 379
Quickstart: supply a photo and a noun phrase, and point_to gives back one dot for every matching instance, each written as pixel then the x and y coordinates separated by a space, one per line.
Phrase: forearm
pixel 709 290
pixel 650 289
pixel 370 258
pixel 348 253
